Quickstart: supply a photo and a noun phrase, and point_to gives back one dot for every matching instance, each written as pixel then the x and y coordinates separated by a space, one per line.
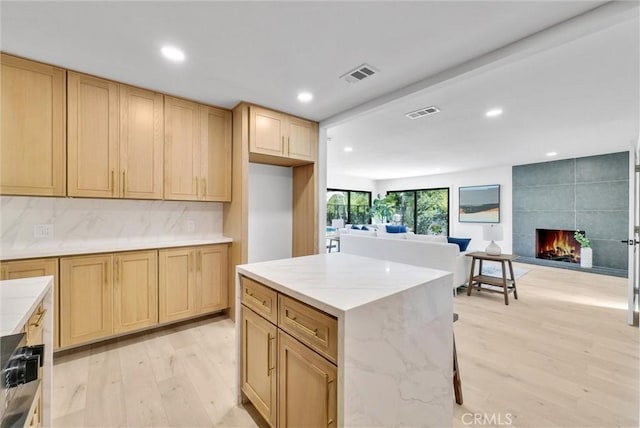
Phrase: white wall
pixel 338 181
pixel 80 220
pixel 270 212
pixel 499 175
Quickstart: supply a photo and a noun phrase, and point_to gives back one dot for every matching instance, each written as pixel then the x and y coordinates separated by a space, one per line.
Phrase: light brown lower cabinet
pixel 259 356
pixel 101 295
pixel 36 267
pixel 192 281
pixel 135 290
pixel 307 386
pixel 289 383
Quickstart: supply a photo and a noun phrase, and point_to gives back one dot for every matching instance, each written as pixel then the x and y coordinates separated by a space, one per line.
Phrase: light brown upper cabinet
pixel 278 135
pixel 114 139
pixel 32 136
pixel 197 144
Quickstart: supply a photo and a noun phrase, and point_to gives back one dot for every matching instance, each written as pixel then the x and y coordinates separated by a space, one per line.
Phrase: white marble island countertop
pixel 18 299
pixel 339 282
pixel 394 339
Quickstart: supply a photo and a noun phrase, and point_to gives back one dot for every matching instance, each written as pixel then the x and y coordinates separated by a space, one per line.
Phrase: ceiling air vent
pixel 359 73
pixel 423 112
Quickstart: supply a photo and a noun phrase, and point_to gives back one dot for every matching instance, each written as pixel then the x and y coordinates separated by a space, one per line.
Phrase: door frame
pixel 634 233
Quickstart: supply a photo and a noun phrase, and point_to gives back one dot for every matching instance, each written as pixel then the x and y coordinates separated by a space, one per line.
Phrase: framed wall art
pixel 479 204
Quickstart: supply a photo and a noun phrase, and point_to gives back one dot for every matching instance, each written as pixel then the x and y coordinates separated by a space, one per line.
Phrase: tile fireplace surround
pixel 590 194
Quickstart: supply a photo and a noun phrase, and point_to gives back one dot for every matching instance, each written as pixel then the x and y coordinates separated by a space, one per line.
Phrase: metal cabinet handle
pixel 260 302
pixel 124 183
pixel 301 326
pixel 113 182
pixel 269 368
pixel 40 317
pixel 328 390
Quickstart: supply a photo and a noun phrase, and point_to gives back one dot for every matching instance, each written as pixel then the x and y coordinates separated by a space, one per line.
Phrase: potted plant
pixel 382 208
pixel 586 253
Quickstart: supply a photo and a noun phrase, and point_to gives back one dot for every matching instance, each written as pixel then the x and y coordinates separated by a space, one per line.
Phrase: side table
pixel 507 284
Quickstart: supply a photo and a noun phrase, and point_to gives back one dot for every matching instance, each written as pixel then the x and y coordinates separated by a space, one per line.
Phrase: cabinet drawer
pixel 260 298
pixel 309 325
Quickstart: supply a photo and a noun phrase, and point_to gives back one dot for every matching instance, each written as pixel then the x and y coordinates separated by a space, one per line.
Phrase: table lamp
pixel 492 232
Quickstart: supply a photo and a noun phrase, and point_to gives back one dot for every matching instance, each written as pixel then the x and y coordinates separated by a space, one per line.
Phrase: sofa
pixel 419 250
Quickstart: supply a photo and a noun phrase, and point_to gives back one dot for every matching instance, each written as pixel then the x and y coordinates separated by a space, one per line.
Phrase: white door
pixel 634 232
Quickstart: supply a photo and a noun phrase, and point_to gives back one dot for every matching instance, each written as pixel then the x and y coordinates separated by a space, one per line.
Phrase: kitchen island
pixel 26 305
pixel 370 340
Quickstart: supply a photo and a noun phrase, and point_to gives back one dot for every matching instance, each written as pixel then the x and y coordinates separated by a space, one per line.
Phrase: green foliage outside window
pixel 352 206
pixel 423 211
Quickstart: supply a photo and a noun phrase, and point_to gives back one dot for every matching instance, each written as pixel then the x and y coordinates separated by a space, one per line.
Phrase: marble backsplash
pixel 78 221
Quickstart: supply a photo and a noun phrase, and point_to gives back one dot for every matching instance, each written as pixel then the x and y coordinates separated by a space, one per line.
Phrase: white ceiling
pixel 583 92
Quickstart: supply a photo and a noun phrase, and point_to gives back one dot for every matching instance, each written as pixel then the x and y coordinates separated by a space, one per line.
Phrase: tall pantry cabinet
pixel 269 137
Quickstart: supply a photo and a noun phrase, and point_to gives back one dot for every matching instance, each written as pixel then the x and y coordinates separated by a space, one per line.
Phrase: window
pixel 424 211
pixel 350 205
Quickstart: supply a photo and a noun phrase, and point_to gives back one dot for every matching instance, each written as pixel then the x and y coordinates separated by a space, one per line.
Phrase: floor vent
pixel 423 112
pixel 359 73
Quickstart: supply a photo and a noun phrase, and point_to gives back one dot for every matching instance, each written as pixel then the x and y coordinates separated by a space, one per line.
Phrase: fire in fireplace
pixel 559 245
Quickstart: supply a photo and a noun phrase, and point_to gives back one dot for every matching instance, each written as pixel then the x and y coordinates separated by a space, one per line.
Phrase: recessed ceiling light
pixel 348 149
pixel 172 53
pixel 494 112
pixel 305 97
pixel 551 154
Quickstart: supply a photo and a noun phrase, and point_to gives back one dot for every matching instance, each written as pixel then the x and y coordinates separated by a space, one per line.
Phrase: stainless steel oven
pixel 20 368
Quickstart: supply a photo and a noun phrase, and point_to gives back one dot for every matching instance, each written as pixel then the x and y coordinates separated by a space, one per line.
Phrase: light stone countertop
pixel 18 299
pixel 338 282
pixel 93 246
pixel 394 337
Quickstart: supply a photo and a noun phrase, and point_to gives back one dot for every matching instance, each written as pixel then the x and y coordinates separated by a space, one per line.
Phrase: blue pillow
pixel 364 227
pixel 353 226
pixel 463 243
pixel 396 229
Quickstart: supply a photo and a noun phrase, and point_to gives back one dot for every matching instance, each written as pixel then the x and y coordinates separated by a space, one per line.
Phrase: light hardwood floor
pixel 560 356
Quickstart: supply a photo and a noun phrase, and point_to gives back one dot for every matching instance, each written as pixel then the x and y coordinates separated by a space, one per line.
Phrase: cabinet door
pixel 259 373
pixel 92 150
pixel 266 131
pixel 135 290
pixel 215 154
pixel 37 267
pixel 302 139
pixel 141 143
pixel 32 128
pixel 86 298
pixel 181 149
pixel 176 284
pixel 212 284
pixel 306 386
